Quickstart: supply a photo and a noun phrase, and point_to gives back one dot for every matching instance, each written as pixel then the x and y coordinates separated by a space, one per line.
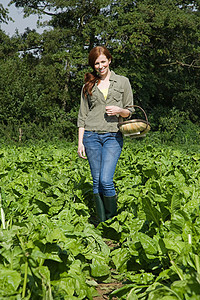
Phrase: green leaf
pixel 122 291
pixel 50 251
pixel 9 280
pixel 175 202
pixel 132 295
pixel 150 246
pixel 67 285
pixel 141 278
pixel 179 219
pixel 55 235
pixel 151 212
pixel 174 245
pixel 159 291
pixel 99 268
pixel 120 258
pixel 44 273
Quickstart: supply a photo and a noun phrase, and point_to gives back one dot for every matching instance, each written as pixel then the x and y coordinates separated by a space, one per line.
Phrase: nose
pixel 100 65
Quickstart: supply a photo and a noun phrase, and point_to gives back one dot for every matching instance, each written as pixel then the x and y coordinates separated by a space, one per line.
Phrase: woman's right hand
pixel 81 151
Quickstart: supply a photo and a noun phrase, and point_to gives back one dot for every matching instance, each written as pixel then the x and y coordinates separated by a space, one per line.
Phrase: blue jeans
pixel 103 151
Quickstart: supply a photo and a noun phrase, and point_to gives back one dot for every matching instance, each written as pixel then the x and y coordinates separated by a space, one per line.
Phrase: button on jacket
pixel 92 113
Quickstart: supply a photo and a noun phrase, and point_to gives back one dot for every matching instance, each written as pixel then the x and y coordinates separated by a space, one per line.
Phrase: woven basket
pixel 136 127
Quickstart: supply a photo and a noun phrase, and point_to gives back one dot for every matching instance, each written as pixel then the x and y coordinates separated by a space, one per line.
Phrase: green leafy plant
pixel 50 249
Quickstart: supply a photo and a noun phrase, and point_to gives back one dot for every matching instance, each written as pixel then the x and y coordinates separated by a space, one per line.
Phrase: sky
pixel 20 23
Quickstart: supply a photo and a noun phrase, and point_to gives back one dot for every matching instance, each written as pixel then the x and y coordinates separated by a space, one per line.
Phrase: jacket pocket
pixel 118 94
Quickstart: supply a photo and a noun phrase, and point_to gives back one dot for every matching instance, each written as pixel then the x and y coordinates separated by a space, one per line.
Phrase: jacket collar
pixel 113 76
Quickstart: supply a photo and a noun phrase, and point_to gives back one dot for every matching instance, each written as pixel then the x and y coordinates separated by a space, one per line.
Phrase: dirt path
pixel 105 289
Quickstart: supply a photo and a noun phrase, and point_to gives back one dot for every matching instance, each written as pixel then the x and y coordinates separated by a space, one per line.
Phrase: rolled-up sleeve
pixel 83 111
pixel 128 96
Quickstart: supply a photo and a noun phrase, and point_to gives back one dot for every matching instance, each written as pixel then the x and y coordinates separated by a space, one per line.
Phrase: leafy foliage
pixel 50 249
pixel 4 14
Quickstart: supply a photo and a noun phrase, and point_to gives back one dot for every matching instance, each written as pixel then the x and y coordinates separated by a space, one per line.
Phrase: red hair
pixel 92 78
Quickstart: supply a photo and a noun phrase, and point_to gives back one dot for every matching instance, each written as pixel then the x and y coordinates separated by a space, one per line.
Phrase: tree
pixel 157 43
pixel 4 14
pixel 154 43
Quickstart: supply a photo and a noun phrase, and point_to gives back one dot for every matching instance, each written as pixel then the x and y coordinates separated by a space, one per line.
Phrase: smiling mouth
pixel 101 70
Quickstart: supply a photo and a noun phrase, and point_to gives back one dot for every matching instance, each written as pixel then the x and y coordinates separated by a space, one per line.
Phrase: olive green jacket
pixel 92 113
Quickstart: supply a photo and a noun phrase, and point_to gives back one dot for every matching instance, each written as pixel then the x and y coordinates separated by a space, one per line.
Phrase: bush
pixel 26 131
pixel 169 124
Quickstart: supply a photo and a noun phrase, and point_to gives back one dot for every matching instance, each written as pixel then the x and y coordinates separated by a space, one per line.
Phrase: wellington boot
pixel 110 204
pixel 99 207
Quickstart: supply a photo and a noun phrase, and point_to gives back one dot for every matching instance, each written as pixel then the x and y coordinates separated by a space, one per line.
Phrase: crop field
pixel 51 248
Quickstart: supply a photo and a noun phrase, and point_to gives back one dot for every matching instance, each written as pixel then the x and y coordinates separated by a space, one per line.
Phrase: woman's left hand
pixel 113 110
pixel 116 110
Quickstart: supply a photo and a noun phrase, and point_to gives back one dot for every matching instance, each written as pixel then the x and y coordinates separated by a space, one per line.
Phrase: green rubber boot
pixel 99 207
pixel 110 204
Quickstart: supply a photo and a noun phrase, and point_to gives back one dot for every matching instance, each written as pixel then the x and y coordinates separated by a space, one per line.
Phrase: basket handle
pixel 141 110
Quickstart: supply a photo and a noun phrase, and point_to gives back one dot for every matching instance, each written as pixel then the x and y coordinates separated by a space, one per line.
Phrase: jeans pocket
pixel 88 134
pixel 117 134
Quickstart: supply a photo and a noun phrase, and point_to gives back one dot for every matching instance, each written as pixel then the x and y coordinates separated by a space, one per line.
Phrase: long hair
pixel 92 78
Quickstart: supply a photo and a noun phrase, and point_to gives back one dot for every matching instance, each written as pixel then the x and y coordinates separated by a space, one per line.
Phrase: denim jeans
pixel 103 151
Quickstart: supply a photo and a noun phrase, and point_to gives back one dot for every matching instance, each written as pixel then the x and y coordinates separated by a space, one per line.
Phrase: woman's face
pixel 101 65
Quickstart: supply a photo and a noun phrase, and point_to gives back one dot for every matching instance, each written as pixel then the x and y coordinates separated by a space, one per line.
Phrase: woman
pixel 105 97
